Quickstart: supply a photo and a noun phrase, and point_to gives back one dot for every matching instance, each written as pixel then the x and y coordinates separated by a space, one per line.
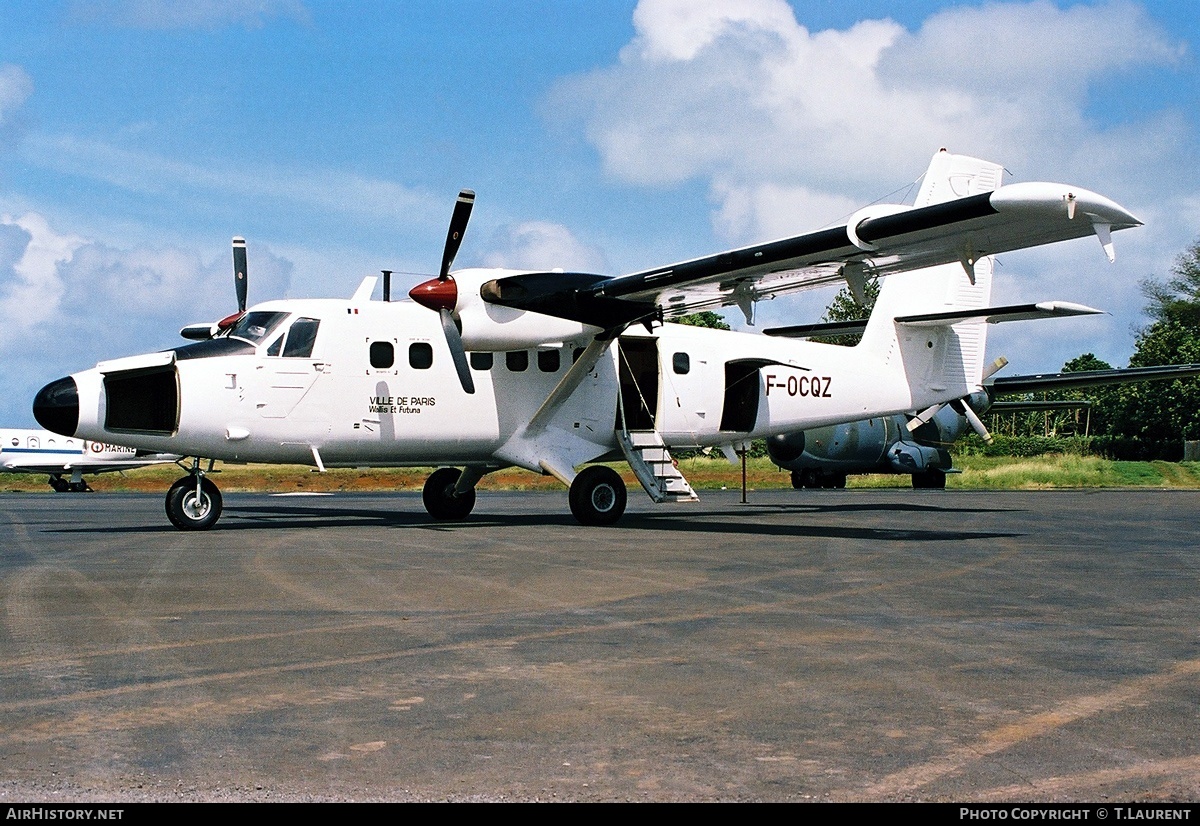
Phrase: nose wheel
pixel 192 505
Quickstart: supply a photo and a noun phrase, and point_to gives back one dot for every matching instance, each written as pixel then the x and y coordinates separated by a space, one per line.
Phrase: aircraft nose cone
pixel 56 406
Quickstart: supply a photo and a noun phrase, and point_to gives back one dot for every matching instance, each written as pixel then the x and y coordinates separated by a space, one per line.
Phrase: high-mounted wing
pixel 876 241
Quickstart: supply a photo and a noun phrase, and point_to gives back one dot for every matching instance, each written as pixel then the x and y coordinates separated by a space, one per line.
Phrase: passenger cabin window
pixel 383 354
pixel 420 355
pixel 681 363
pixel 548 361
pixel 517 361
pixel 482 361
pixel 300 338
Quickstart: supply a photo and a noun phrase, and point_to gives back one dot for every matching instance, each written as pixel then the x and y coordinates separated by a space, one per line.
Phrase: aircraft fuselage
pixel 371 384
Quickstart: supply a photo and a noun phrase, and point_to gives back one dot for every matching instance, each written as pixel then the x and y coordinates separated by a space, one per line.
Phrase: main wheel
pixel 440 499
pixel 929 480
pixel 597 496
pixel 189 512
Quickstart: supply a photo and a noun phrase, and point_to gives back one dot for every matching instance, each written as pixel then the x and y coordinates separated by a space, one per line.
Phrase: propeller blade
pixel 923 417
pixel 962 408
pixel 457 352
pixel 458 226
pixel 239 272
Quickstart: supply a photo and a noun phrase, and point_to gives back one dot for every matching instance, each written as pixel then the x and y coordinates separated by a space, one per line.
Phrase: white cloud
pixel 68 302
pixel 743 94
pixel 323 189
pixel 187 14
pixel 15 87
pixel 30 285
pixel 791 128
pixel 540 245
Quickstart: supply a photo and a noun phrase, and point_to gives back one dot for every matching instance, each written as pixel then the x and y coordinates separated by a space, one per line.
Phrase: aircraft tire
pixel 185 512
pixel 59 484
pixel 440 501
pixel 806 478
pixel 597 496
pixel 929 480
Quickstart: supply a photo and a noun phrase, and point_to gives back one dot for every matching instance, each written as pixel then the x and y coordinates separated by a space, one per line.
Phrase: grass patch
pixel 704 473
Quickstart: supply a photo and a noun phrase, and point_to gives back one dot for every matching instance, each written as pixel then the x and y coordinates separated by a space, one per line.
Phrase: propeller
pixel 239 272
pixel 239 284
pixel 962 407
pixel 441 293
pixel 202 332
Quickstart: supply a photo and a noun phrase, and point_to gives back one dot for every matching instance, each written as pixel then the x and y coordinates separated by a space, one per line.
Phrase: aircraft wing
pixel 1089 378
pixel 876 241
pixel 66 464
pixel 1037 406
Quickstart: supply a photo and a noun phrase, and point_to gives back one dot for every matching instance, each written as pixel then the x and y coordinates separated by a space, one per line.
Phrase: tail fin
pixel 939 358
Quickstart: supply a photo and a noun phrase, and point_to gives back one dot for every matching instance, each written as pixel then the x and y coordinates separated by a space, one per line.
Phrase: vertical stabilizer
pixel 949 358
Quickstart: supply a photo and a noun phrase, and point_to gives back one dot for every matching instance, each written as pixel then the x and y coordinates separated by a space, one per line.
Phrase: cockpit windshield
pixel 254 327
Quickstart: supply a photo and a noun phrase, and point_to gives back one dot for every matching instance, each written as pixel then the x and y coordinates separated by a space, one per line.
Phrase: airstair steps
pixel 654 467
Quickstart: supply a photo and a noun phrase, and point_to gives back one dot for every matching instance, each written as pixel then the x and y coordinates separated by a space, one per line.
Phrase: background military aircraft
pixel 823 457
pixel 58 456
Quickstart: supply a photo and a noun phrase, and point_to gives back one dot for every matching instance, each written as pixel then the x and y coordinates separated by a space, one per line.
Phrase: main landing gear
pixel 597 496
pixel 929 480
pixel 193 502
pixel 61 485
pixel 449 494
pixel 809 478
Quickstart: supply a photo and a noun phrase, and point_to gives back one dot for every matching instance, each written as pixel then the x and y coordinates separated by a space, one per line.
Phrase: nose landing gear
pixel 194 503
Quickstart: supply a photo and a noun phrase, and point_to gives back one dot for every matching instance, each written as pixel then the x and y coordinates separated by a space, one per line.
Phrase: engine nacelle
pixel 486 326
pixel 852 447
pixel 866 214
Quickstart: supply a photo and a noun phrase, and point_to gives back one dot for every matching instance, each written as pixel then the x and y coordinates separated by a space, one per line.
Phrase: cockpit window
pixel 300 338
pixel 254 327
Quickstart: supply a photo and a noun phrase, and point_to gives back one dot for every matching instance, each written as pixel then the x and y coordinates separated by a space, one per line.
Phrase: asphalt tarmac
pixel 820 645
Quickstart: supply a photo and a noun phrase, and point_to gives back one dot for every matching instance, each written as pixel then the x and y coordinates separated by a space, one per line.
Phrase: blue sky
pixel 138 136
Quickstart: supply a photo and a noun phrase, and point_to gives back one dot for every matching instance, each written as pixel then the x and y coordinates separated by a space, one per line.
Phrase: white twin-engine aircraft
pixel 549 371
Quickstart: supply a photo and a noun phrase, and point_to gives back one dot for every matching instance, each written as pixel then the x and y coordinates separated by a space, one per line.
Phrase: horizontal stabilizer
pixel 995 315
pixel 830 328
pixel 1090 378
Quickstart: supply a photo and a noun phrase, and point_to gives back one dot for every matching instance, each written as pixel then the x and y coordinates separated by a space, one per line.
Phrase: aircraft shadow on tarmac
pixel 739 520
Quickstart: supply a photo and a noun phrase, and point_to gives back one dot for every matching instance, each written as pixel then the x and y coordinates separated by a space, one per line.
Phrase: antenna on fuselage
pixel 387 285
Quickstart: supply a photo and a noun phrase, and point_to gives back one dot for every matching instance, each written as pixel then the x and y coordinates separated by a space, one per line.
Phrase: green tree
pixel 1066 421
pixel 704 318
pixel 1165 410
pixel 845 308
